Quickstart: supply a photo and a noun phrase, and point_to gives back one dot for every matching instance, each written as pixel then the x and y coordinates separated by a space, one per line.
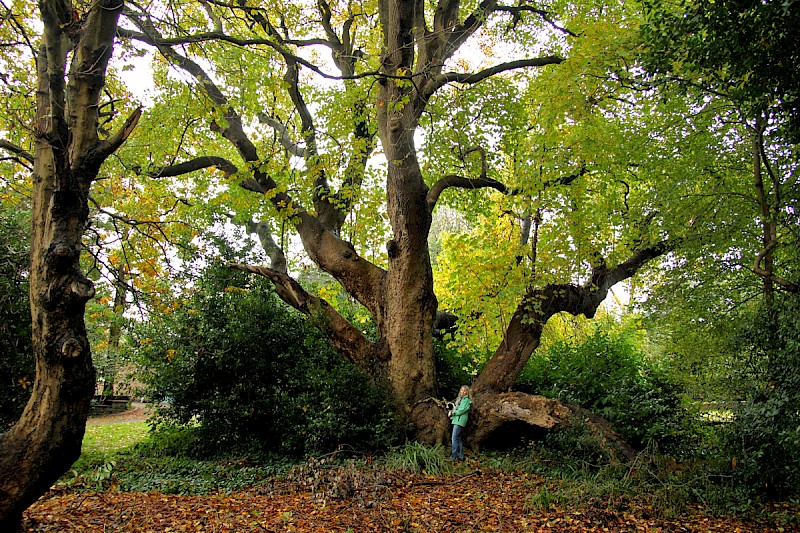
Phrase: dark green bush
pixel 453 368
pixel 248 371
pixel 607 374
pixel 16 358
pixel 763 441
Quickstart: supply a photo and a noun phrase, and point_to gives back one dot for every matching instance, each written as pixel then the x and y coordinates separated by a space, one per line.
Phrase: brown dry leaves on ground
pixel 375 501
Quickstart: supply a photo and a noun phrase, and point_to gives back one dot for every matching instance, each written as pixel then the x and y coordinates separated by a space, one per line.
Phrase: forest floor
pixel 473 503
pixel 326 498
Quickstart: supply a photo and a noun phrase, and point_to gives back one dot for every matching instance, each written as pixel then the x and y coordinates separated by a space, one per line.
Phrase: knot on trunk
pixel 82 289
pixel 62 255
pixel 71 348
pixel 69 291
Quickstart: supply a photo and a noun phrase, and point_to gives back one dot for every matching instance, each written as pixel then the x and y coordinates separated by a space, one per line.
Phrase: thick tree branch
pixel 87 73
pixel 483 182
pixel 453 180
pixel 23 157
pixel 346 338
pixel 110 145
pixel 275 253
pixel 212 16
pixel 524 331
pixel 52 67
pixel 472 78
pixel 284 138
pixel 462 182
pixel 464 31
pixel 359 277
pixel 330 212
pixel 340 55
pixel 193 165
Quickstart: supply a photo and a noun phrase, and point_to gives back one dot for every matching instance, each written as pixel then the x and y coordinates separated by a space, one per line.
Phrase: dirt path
pixel 137 413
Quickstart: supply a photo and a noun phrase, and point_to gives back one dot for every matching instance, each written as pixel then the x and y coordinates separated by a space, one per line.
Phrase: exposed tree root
pixel 494 410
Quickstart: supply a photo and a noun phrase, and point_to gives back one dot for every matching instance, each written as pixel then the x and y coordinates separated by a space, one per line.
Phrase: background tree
pixel 736 55
pixel 737 76
pixel 71 62
pixel 742 49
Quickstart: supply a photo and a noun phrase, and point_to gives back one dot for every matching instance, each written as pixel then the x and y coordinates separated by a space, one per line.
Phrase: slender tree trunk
pixel 768 227
pixel 47 438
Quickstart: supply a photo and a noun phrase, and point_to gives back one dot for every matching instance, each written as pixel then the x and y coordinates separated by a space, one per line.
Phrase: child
pixel 460 414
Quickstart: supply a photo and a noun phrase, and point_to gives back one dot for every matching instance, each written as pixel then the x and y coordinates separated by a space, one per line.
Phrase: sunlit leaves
pixel 483 290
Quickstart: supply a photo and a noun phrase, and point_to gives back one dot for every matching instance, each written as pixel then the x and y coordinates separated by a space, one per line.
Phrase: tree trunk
pixel 409 304
pixel 46 440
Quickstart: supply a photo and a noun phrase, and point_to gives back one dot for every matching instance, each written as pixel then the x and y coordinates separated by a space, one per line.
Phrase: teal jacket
pixel 461 412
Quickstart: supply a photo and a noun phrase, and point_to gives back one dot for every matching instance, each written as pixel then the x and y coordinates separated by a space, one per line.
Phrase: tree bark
pixel 46 440
pixel 494 410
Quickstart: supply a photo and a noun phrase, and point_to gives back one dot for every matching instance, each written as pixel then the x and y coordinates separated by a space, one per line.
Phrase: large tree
pixel 71 61
pixel 313 136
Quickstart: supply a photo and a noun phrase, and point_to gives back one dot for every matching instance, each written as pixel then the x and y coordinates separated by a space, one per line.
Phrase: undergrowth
pixel 125 457
pixel 419 459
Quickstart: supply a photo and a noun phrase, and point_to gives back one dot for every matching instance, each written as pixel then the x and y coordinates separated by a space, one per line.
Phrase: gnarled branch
pixel 193 165
pixel 18 151
pixel 524 331
pixel 345 337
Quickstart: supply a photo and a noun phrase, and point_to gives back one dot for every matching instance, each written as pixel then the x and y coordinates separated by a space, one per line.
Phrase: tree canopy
pixel 336 132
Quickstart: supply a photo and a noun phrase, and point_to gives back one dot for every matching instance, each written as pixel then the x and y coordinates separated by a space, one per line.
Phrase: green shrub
pixel 16 357
pixel 607 374
pixel 251 373
pixel 576 444
pixel 763 440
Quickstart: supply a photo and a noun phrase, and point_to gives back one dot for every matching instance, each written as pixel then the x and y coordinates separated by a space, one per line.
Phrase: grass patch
pixel 107 442
pixel 113 438
pixel 419 459
pixel 128 457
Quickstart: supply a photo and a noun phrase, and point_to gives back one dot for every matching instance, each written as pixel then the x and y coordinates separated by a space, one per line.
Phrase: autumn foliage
pixel 475 499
